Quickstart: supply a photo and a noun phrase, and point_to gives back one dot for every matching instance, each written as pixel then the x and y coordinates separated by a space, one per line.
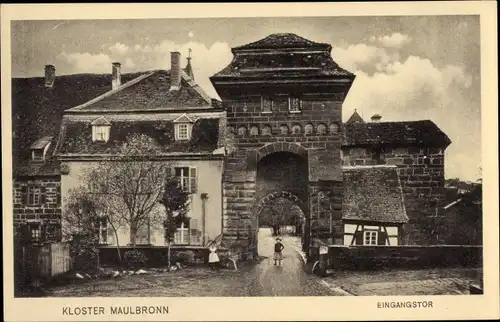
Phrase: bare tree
pixel 131 183
pixel 85 211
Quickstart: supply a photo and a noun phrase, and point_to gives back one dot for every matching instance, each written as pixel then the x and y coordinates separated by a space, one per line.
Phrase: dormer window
pixel 183 128
pixel 100 130
pixel 39 148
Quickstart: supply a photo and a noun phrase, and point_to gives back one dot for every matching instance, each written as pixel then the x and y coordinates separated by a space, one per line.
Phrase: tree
pixel 131 183
pixel 176 203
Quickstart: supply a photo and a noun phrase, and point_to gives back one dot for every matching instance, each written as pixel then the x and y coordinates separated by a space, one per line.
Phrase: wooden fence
pixel 41 262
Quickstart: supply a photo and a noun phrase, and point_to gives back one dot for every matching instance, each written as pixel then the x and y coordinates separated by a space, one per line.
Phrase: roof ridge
pixel 113 91
pixel 196 87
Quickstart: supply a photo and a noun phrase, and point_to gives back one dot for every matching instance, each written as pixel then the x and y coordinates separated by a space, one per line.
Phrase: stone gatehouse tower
pixel 283 95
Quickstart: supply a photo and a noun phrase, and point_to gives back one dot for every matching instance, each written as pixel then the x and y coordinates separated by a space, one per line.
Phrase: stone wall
pixel 421 171
pixel 389 257
pixel 48 209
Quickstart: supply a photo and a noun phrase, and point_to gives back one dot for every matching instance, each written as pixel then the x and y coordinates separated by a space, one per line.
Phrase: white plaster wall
pixel 209 174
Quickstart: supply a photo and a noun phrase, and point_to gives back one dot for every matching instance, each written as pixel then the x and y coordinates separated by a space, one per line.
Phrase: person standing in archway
pixel 278 249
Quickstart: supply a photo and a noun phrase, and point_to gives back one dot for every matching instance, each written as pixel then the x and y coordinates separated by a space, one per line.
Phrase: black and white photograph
pixel 318 156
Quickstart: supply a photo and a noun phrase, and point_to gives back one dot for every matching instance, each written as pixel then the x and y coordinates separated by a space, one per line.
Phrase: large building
pixel 278 133
pixel 379 180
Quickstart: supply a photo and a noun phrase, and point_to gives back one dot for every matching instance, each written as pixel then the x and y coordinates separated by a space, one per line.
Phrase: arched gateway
pixel 283 95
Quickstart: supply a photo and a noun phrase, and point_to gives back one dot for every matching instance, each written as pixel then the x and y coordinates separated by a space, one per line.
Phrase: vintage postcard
pixel 250 162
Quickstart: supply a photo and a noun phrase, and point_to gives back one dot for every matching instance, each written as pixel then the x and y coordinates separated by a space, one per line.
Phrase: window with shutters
pixel 33 195
pixel 370 237
pixel 187 178
pixel 181 236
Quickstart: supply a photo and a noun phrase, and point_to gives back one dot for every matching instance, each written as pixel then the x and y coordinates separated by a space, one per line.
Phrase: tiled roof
pixel 373 194
pixel 422 133
pixel 37 112
pixel 41 143
pixel 77 137
pixel 283 40
pixel 302 57
pixel 150 92
pixel 355 117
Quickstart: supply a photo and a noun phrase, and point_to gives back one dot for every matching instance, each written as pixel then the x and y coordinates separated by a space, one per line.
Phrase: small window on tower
pixel 294 105
pixel 267 105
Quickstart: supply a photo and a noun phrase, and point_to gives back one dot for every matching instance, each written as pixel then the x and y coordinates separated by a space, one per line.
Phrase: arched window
pixel 242 130
pixel 230 130
pixel 309 129
pixel 321 129
pixel 284 129
pixel 334 128
pixel 296 129
pixel 266 130
pixel 254 130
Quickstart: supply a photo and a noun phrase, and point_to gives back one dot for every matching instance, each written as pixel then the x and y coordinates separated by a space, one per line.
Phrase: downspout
pixel 204 197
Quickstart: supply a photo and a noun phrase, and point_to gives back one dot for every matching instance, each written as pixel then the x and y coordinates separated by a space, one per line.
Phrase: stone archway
pixel 263 202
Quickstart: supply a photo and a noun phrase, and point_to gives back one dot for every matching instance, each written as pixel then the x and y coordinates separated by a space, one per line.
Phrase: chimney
pixel 50 75
pixel 175 71
pixel 116 80
pixel 376 118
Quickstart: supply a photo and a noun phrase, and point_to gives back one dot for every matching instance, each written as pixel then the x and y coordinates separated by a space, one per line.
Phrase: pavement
pixel 289 279
pixel 266 279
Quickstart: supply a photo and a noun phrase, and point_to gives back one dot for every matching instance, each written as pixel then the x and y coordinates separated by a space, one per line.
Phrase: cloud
pixel 206 60
pixel 396 40
pixel 70 63
pixel 415 88
pixel 118 48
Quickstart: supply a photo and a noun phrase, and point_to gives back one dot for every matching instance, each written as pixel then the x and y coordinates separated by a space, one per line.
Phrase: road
pixel 262 279
pixel 286 280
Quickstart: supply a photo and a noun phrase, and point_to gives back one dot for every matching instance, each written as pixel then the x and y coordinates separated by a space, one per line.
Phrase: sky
pixel 407 68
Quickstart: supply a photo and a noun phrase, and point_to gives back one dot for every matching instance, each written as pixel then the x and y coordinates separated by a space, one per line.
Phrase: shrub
pixel 183 257
pixel 84 253
pixel 135 259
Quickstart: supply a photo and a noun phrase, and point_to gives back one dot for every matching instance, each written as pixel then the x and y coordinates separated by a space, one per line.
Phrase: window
pixel 266 130
pixel 296 129
pixel 370 237
pixel 284 129
pixel 334 128
pixel 187 178
pixel 53 232
pixel 100 133
pixel 183 127
pixel 33 195
pixel 183 131
pixel 321 129
pixel 267 105
pixel 242 130
pixel 187 233
pixel 35 230
pixel 103 230
pixel 294 105
pixel 37 154
pixel 308 129
pixel 254 131
pixel 181 236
